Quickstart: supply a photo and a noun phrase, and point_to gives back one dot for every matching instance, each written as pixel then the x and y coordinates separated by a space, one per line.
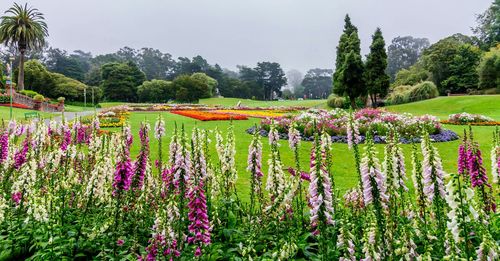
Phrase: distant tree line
pixel 120 76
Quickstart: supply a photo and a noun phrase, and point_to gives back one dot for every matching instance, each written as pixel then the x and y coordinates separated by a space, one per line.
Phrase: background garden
pixel 395 155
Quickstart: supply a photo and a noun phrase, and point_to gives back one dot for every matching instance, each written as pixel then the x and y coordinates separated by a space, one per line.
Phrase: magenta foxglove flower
pixel 66 137
pixel 199 228
pixel 477 172
pixel 462 159
pixel 4 146
pixel 141 164
pixel 16 197
pixel 20 156
pixel 123 174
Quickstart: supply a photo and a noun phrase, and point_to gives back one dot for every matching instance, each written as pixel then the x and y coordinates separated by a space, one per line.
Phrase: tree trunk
pixel 353 102
pixel 20 78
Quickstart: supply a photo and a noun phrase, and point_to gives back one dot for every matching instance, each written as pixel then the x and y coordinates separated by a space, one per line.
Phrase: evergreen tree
pixel 377 81
pixel 348 76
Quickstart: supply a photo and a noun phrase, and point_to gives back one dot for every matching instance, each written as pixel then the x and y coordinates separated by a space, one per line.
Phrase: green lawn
pixel 18 114
pixel 345 174
pixel 488 105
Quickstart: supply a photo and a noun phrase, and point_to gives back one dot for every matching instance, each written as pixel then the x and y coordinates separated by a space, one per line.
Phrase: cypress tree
pixel 376 79
pixel 348 76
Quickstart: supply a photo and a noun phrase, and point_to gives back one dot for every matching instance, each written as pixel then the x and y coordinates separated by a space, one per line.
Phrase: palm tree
pixel 24 28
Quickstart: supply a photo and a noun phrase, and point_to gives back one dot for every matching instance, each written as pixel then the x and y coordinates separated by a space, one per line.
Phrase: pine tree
pixel 376 79
pixel 348 76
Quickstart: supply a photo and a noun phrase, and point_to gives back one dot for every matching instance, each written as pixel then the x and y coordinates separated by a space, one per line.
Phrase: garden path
pixel 70 115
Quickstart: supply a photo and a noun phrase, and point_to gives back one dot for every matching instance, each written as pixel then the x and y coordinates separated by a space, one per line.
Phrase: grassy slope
pixel 488 105
pixel 345 174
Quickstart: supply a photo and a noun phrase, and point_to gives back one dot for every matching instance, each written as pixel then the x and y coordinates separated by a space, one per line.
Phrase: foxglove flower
pixel 159 128
pixel 4 146
pixel 275 183
pixel 142 165
pixel 372 178
pixel 20 156
pixel 293 137
pixel 433 172
pixel 460 211
pixel 320 190
pixel 254 166
pixel 199 227
pixel 353 136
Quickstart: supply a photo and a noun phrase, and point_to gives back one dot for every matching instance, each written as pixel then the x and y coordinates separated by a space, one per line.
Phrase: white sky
pixel 299 34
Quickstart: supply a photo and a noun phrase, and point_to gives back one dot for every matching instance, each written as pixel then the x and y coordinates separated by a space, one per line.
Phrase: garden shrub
pixel 29 93
pixel 4 99
pixel 404 94
pixel 39 98
pixel 335 101
pixel 422 91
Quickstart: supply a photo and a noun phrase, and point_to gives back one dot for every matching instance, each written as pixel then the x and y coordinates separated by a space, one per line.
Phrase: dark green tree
pixel 271 77
pixel 24 28
pixel 439 56
pixel 155 91
pixel 489 69
pixel 317 83
pixel 120 81
pixel 376 80
pixel 348 77
pixel 189 89
pixel 463 72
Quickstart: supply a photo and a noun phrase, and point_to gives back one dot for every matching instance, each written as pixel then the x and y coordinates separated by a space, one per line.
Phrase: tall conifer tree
pixel 348 76
pixel 376 80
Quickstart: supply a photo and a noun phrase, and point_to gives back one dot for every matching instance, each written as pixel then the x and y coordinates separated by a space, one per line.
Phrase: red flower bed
pixel 15 105
pixel 208 116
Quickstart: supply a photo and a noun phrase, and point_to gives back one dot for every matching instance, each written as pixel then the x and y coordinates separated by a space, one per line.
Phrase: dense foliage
pixel 406 93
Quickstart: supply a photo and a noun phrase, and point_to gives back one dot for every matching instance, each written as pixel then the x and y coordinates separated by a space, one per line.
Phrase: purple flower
pixel 199 227
pixel 123 174
pixel 16 197
pixel 66 139
pixel 4 146
pixel 462 159
pixel 141 164
pixel 293 137
pixel 20 155
pixel 476 170
pixel 120 242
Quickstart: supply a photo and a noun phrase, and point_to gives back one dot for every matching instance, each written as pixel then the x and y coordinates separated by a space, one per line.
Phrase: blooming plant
pixel 465 118
pixel 69 191
pixel 343 126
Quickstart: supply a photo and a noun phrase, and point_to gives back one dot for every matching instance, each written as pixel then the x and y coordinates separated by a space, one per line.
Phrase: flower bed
pixel 254 113
pixel 379 121
pixel 207 115
pixel 15 105
pixel 465 118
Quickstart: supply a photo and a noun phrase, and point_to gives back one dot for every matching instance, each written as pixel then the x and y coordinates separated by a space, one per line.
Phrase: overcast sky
pixel 299 34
